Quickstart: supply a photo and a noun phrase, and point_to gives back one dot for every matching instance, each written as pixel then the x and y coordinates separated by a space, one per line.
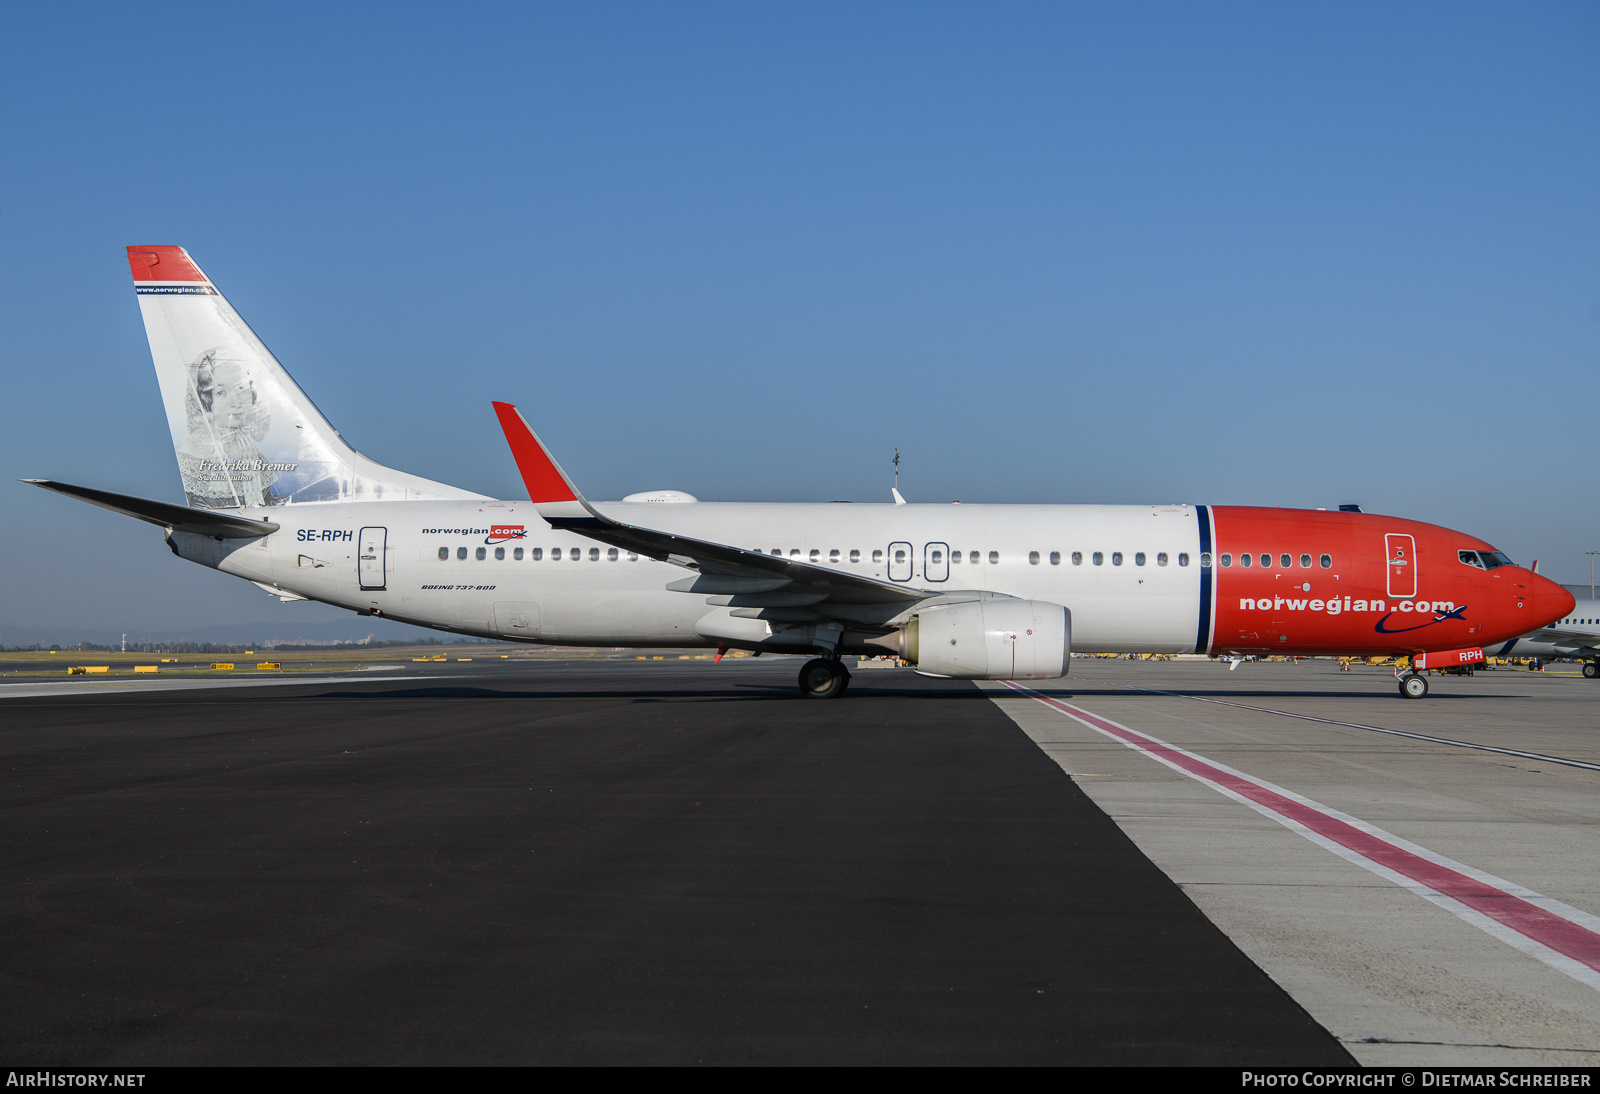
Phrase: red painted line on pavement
pixel 1571 940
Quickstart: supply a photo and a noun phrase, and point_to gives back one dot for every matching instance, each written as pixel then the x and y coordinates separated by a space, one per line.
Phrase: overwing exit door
pixel 900 561
pixel 936 562
pixel 373 544
pixel 1402 550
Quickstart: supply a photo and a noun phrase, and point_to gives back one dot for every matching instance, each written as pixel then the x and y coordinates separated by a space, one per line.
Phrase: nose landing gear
pixel 823 678
pixel 1413 686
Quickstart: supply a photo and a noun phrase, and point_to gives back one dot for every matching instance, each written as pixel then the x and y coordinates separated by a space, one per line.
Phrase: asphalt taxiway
pixel 586 863
pixel 660 862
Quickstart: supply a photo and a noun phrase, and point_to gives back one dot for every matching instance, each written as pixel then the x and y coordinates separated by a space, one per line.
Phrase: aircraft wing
pixel 1558 636
pixel 745 575
pixel 179 518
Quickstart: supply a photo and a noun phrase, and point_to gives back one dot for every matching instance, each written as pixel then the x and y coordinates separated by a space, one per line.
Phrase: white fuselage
pixel 1143 595
pixel 1584 619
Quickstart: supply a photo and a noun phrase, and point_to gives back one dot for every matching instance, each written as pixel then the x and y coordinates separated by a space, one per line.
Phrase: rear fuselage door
pixel 899 561
pixel 1402 564
pixel 373 544
pixel 936 562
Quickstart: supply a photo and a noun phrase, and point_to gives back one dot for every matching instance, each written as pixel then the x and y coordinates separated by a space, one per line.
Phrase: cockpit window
pixel 1485 560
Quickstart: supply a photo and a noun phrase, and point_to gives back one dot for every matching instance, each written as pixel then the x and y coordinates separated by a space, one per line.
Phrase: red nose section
pixel 1550 601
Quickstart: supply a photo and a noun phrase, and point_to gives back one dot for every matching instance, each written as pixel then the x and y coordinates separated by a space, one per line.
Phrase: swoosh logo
pixel 1438 617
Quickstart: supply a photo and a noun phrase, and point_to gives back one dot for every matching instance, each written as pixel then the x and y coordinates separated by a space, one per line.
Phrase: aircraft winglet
pixel 549 488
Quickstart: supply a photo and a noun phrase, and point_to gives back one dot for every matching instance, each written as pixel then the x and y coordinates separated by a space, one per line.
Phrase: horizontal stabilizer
pixel 179 518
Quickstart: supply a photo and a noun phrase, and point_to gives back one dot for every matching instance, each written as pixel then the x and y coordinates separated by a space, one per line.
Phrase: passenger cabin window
pixel 1161 559
pixel 1244 560
pixel 1097 558
pixel 461 552
pixel 555 554
pixel 499 554
pixel 611 555
pixel 1055 558
pixel 1227 559
pixel 516 553
pixel 594 554
pixel 537 553
pixel 938 557
pixel 973 558
pixel 482 552
pixel 816 555
pixel 877 556
pixel 1266 560
pixel 1077 558
pixel 855 555
pixel 899 555
pixel 794 552
pixel 1284 561
pixel 444 553
pixel 1138 559
pixel 1205 560
pixel 1326 562
pixel 1305 562
pixel 1183 559
pixel 633 556
pixel 833 555
pixel 994 557
pixel 1033 558
pixel 1116 558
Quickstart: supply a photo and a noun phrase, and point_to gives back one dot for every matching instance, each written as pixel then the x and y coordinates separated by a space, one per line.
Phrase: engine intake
pixel 990 640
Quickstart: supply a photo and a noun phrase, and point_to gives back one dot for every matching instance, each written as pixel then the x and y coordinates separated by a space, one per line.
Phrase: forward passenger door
pixel 1402 565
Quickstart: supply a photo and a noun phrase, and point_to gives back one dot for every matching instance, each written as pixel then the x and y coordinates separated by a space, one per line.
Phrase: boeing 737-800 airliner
pixel 275 496
pixel 1574 637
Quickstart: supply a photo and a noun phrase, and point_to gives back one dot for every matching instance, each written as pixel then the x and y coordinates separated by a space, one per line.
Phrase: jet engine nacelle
pixel 990 640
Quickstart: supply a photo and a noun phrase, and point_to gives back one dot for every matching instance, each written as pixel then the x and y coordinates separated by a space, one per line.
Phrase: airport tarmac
pixel 659 862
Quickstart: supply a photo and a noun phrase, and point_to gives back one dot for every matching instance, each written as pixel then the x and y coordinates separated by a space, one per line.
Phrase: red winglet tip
pixel 162 262
pixel 540 474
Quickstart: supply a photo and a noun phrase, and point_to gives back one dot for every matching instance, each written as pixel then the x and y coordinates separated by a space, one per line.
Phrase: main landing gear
pixel 1591 669
pixel 823 678
pixel 1413 686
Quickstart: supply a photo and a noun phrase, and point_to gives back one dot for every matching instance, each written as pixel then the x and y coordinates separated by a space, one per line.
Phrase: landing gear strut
pixel 1413 686
pixel 1591 669
pixel 823 678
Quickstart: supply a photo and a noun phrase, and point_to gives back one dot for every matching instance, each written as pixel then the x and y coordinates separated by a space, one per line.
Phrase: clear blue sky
pixel 1271 253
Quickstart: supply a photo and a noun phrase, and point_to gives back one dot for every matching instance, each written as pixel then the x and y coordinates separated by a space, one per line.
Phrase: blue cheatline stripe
pixel 1202 640
pixel 1505 649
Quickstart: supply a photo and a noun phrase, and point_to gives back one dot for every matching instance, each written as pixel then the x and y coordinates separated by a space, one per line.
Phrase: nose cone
pixel 1550 601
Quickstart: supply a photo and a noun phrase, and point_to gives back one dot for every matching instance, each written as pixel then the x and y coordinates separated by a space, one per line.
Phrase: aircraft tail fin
pixel 245 434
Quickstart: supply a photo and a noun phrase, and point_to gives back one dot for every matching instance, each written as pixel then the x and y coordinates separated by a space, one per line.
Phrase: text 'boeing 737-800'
pixel 996 592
